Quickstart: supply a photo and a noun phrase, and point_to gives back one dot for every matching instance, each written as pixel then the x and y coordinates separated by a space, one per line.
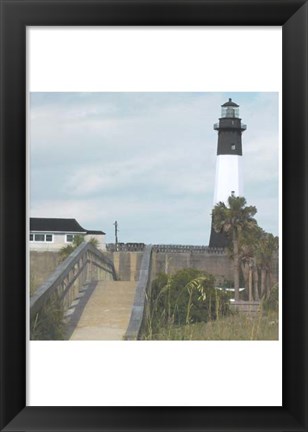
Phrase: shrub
pixel 67 250
pixel 93 241
pixel 186 297
pixel 48 322
pixel 271 301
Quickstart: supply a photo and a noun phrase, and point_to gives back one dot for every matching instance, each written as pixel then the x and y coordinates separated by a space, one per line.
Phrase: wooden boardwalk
pixel 107 312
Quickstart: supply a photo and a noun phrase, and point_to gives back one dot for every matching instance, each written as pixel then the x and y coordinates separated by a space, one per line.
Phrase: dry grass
pixel 235 327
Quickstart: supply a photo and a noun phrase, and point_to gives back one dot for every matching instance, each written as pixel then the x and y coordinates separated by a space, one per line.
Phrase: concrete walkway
pixel 107 313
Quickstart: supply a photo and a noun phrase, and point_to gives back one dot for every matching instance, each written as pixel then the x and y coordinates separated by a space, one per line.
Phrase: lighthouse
pixel 228 178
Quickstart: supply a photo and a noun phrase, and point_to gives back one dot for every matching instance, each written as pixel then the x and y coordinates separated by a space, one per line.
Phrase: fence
pixel 125 247
pixel 137 247
pixel 189 249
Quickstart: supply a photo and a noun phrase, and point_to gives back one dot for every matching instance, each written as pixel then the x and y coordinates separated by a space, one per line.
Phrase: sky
pixel 146 160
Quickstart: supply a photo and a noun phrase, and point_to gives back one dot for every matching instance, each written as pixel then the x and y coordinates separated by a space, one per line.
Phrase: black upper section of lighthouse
pixel 230 130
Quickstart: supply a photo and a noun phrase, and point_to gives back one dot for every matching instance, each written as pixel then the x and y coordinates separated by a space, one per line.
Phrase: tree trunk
pixel 271 280
pixel 269 285
pixel 236 266
pixel 250 282
pixel 245 271
pixel 263 277
pixel 256 283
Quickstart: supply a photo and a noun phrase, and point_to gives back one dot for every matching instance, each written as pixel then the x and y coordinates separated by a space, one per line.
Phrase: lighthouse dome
pixel 230 103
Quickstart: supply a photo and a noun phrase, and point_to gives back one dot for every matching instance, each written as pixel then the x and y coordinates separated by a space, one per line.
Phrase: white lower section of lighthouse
pixel 228 177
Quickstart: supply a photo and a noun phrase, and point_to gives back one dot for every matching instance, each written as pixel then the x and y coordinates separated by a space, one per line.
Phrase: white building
pixel 51 234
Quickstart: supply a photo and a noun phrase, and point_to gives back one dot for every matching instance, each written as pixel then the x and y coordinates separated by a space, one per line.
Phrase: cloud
pixel 146 159
pixel 85 211
pixel 137 218
pixel 172 173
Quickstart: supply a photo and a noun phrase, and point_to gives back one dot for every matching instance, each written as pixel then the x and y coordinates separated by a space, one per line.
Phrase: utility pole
pixel 116 234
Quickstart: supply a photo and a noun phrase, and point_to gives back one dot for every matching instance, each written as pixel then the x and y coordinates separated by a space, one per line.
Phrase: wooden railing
pixel 142 290
pixel 86 264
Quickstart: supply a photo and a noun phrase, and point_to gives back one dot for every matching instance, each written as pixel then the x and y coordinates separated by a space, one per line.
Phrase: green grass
pixel 263 326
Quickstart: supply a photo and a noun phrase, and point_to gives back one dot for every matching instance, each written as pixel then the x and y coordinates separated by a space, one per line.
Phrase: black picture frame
pixel 15 16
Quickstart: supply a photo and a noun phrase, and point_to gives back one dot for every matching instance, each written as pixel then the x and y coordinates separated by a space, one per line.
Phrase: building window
pixel 232 146
pixel 41 238
pixel 69 238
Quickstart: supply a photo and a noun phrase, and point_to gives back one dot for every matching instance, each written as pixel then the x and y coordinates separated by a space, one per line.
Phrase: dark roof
pixel 95 232
pixel 59 225
pixel 230 103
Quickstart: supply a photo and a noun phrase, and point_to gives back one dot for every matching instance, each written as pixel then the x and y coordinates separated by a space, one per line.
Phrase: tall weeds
pixel 48 323
pixel 184 298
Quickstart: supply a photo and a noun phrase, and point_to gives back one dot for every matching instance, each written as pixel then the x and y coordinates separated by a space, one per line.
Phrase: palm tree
pixel 268 245
pixel 249 242
pixel 232 220
pixel 247 264
pixel 65 251
pixel 77 240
